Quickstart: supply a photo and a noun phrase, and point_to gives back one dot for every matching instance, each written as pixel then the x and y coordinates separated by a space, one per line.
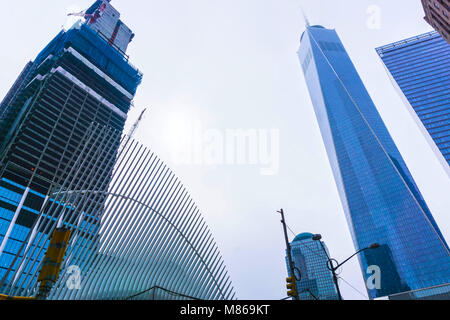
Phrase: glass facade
pixel 420 68
pixel 380 198
pixel 316 281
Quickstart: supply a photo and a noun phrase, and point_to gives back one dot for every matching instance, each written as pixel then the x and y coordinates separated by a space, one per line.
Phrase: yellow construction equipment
pixel 51 265
pixel 5 297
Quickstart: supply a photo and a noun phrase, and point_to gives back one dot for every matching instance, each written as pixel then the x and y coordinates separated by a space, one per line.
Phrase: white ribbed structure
pixel 140 231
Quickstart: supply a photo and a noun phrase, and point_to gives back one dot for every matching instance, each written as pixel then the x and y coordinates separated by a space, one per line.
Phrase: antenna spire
pixel 305 17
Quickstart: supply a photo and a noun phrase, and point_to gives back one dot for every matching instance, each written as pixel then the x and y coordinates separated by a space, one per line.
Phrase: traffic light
pixel 292 287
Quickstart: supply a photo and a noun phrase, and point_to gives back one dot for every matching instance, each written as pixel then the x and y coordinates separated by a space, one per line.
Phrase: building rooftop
pixel 314 26
pixel 408 41
pixel 303 236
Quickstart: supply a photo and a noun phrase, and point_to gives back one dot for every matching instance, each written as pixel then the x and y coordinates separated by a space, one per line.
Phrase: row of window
pixel 414 50
pixel 423 58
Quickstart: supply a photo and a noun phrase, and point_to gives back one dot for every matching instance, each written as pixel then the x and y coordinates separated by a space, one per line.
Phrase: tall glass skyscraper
pixel 380 198
pixel 316 281
pixel 419 68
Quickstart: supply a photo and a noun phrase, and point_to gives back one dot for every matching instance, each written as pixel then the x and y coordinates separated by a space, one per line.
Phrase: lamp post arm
pixel 356 253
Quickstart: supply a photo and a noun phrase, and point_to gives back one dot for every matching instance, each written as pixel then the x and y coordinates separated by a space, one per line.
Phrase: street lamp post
pixel 333 265
pixel 292 267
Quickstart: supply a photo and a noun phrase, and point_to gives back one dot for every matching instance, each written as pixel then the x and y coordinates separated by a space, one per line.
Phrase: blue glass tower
pixel 380 198
pixel 316 281
pixel 419 68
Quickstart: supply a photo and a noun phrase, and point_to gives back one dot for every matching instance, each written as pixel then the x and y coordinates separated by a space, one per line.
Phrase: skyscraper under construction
pixel 83 76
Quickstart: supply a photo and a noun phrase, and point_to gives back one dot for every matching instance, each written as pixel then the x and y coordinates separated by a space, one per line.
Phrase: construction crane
pixel 93 16
pixel 136 124
pixel 83 14
pixel 132 131
pixel 77 14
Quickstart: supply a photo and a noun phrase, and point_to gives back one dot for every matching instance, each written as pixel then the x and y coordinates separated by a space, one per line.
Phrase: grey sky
pixel 233 65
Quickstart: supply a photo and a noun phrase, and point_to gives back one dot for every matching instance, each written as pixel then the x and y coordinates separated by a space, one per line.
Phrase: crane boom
pixel 136 124
pixel 78 14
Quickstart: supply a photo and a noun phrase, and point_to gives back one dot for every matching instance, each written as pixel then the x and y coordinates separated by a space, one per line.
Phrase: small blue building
pixel 316 281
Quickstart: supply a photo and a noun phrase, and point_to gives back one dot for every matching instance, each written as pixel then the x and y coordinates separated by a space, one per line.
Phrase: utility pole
pixel 292 284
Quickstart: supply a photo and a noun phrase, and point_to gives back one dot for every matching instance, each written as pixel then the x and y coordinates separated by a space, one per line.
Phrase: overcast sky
pixel 232 64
